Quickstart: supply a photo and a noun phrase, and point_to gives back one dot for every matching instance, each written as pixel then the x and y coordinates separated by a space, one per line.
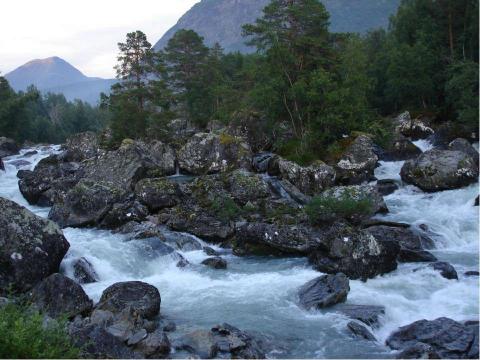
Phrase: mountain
pixel 58 76
pixel 221 20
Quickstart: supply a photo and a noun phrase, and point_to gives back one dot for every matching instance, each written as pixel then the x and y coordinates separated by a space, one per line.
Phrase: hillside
pixel 221 20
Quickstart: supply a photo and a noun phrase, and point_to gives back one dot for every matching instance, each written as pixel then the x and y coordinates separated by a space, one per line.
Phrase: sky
pixel 83 32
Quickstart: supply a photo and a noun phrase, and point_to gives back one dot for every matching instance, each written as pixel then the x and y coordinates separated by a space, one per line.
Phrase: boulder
pixel 209 153
pixel 415 129
pixel 215 263
pixel 59 296
pixel 324 291
pixel 418 351
pixel 49 182
pixel 244 187
pixel 123 212
pixel 222 341
pixel 154 346
pixel 8 147
pixel 86 204
pixel 410 256
pixel 309 180
pixel 447 338
pixel 437 170
pixel 401 148
pixel 360 331
pixel 81 146
pixel 142 298
pixel 261 161
pixel 465 147
pixel 386 187
pixel 354 252
pixel 158 194
pixel 84 272
pixel 445 269
pixel 31 248
pixel 358 162
pixel 368 314
pixel 210 252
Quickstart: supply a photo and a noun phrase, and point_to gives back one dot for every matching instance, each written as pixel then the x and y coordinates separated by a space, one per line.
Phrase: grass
pixel 23 335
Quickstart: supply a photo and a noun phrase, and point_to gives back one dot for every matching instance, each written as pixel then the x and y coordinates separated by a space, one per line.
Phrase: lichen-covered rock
pixel 244 186
pixel 49 182
pixel 58 296
pixel 448 338
pixel 324 291
pixel 208 153
pixel 465 147
pixel 158 194
pixel 413 128
pixel 309 180
pixel 124 212
pixel 31 248
pixel 86 204
pixel 437 170
pixel 358 162
pixel 8 147
pixel 142 298
pixel 81 146
pixel 354 252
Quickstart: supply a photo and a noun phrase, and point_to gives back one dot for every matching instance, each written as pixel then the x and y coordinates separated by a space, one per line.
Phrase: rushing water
pixel 259 294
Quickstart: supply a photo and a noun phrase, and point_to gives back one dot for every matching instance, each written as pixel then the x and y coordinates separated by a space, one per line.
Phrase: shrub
pixel 25 336
pixel 225 208
pixel 329 207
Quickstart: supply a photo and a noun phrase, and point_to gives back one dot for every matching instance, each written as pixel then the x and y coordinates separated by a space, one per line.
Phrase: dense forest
pixel 305 86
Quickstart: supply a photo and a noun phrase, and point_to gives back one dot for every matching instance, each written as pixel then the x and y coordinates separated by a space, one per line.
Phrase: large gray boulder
pixel 464 146
pixel 437 170
pixel 324 291
pixel 8 147
pixel 59 296
pixel 358 162
pixel 31 248
pixel 310 180
pixel 413 128
pixel 449 339
pixel 144 299
pixel 158 193
pixel 209 153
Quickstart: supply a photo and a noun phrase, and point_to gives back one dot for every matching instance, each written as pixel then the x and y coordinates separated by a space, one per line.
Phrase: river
pixel 258 294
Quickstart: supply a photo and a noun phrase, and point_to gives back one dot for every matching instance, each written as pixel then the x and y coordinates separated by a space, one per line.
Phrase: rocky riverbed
pixel 225 262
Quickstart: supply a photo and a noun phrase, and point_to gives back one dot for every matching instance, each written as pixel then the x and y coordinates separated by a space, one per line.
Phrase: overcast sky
pixel 85 33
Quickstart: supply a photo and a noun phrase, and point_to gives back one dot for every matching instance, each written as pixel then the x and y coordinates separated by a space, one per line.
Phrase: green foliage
pixel 25 336
pixel 225 208
pixel 324 208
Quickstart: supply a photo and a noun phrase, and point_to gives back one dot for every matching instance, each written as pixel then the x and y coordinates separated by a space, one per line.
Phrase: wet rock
pixel 158 194
pixel 400 149
pixel 418 351
pixel 261 161
pixel 49 181
pixel 155 345
pixel 360 331
pixel 81 146
pixel 84 272
pixel 263 238
pixel 58 295
pixel 181 241
pixel 210 252
pixel 8 147
pixel 2 166
pixel 445 269
pixel 465 147
pixel 387 187
pixel 215 263
pixel 437 170
pixel 30 153
pixel 208 153
pixel 309 180
pixel 410 256
pixel 31 248
pixel 368 314
pixel 86 204
pixel 472 273
pixel 358 162
pixel 477 201
pixel 448 338
pixel 354 252
pixel 126 211
pixel 324 291
pixel 413 128
pixel 20 163
pixel 141 297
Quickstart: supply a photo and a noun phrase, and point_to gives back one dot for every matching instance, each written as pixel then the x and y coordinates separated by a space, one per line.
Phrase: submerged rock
pixel 437 170
pixel 58 296
pixel 445 269
pixel 368 314
pixel 358 162
pixel 31 248
pixel 324 291
pixel 215 263
pixel 447 338
pixel 360 331
pixel 141 297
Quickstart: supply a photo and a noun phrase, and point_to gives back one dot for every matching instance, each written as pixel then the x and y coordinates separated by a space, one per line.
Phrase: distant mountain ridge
pixel 56 75
pixel 221 20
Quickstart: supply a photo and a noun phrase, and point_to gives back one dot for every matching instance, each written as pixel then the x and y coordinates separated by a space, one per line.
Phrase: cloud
pixel 84 33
